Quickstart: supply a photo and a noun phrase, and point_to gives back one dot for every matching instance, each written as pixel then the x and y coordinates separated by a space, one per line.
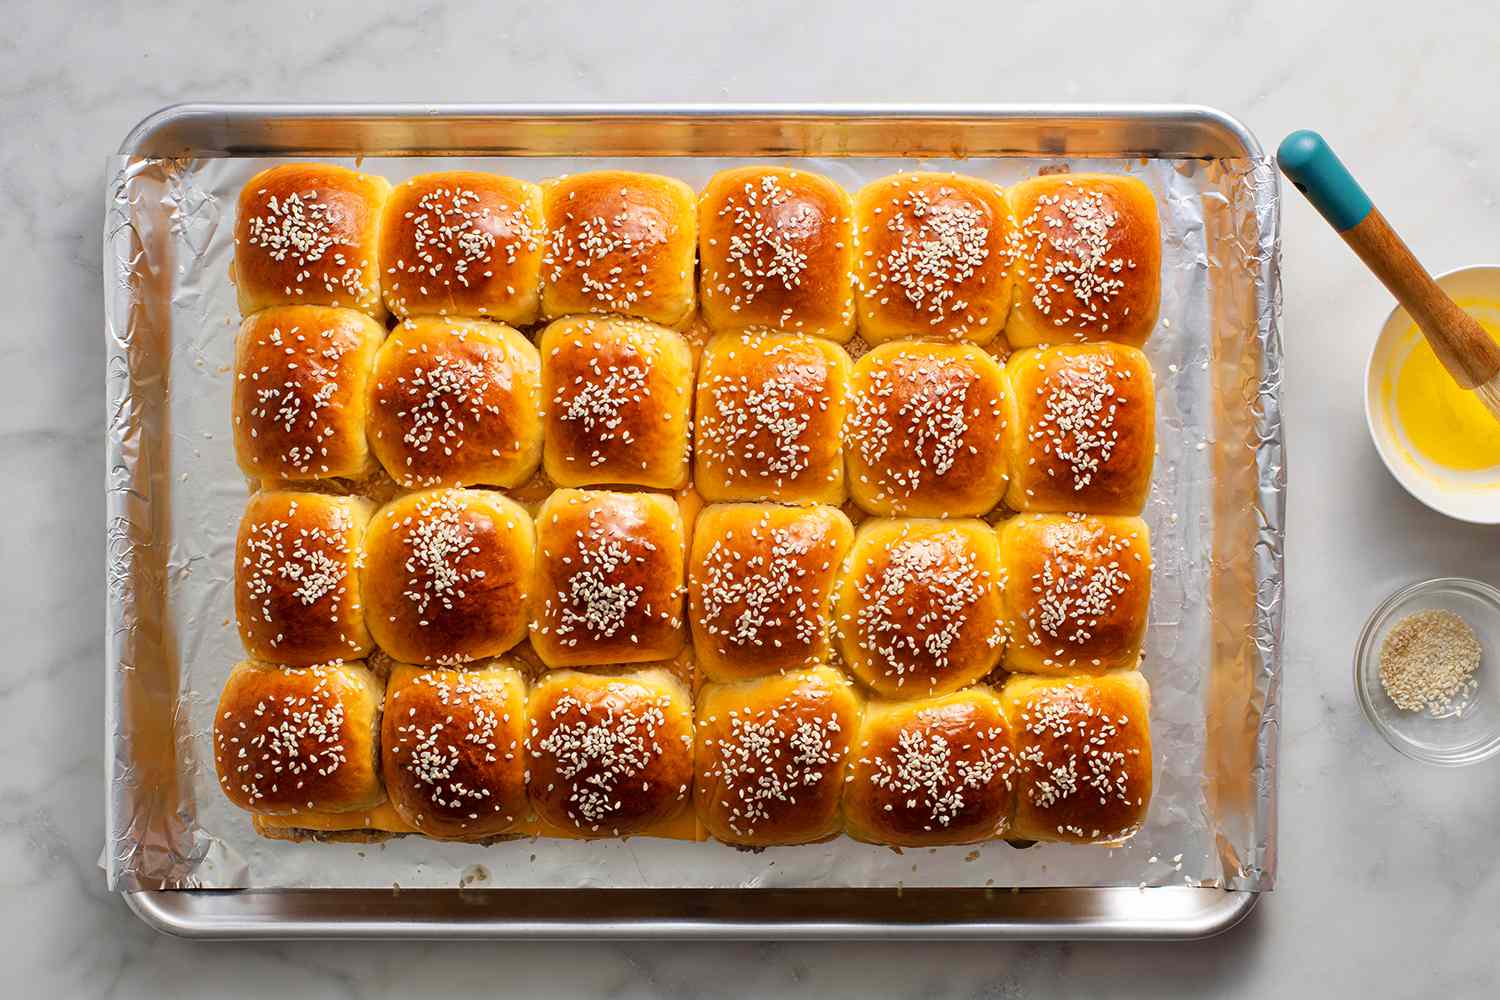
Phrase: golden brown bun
pixel 609 756
pixel 309 234
pixel 609 579
pixel 288 739
pixel 447 576
pixel 771 756
pixel 453 748
pixel 927 433
pixel 938 771
pixel 301 374
pixel 620 242
pixel 1084 429
pixel 462 243
pixel 770 419
pixel 296 578
pixel 618 399
pixel 776 247
pixel 934 257
pixel 919 610
pixel 456 402
pixel 760 586
pixel 1089 263
pixel 1077 592
pixel 1084 751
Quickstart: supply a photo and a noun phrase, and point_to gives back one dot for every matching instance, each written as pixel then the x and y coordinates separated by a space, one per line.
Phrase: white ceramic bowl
pixel 1468 496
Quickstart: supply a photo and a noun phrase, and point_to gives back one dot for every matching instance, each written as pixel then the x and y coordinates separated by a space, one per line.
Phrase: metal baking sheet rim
pixel 1074 913
pixel 1174 913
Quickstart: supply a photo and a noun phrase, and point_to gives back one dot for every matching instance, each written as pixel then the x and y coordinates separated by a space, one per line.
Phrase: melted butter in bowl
pixel 1444 423
pixel 1438 440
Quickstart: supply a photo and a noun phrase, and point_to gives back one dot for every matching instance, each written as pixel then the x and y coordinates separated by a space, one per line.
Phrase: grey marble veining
pixel 1389 883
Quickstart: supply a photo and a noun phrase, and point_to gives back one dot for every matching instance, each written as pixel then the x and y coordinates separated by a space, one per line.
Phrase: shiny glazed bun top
pixel 309 234
pixel 296 577
pixel 620 242
pixel 610 755
pixel 935 254
pixel 464 243
pixel 777 252
pixel 1089 261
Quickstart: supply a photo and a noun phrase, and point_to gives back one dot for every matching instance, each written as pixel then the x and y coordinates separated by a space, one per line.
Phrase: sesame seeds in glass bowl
pixel 1461 728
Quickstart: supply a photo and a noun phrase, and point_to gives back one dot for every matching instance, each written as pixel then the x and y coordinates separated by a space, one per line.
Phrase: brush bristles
pixel 1489 394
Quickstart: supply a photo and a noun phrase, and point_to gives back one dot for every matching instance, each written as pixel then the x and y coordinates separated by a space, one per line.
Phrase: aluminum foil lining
pixel 175 497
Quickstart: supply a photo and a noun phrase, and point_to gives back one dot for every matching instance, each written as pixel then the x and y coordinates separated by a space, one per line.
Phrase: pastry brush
pixel 1469 354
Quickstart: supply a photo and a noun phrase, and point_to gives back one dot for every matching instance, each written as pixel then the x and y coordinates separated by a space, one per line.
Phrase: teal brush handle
pixel 1318 173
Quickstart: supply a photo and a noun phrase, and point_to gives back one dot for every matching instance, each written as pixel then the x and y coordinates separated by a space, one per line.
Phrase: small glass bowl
pixel 1471 732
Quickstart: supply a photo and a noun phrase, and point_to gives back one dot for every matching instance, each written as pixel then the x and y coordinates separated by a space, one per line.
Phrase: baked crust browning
pixel 770 419
pixel 919 608
pixel 938 771
pixel 618 400
pixel 1089 260
pixel 1083 745
pixel 447 576
pixel 609 585
pixel 309 234
pixel 464 243
pixel 934 258
pixel 456 402
pixel 288 739
pixel 299 400
pixel 1084 429
pixel 296 578
pixel 453 748
pixel 1077 592
pixel 776 247
pixel 927 432
pixel 620 242
pixel 760 586
pixel 609 756
pixel 771 757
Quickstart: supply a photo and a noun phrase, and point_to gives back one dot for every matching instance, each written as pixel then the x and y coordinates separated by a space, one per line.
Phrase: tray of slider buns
pixel 663 554
pixel 762 511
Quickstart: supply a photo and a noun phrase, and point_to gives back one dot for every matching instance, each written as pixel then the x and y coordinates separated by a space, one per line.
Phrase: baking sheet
pixel 175 496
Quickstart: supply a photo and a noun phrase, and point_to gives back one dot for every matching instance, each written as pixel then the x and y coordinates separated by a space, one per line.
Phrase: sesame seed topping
pixel 283 568
pixel 286 742
pixel 457 745
pixel 1068 257
pixel 292 402
pixel 1079 401
pixel 933 776
pixel 914 420
pixel 1077 588
pixel 761 589
pixel 943 241
pixel 456 240
pixel 439 540
pixel 308 232
pixel 1075 756
pixel 767 759
pixel 917 600
pixel 601 748
pixel 769 229
pixel 755 427
pixel 608 254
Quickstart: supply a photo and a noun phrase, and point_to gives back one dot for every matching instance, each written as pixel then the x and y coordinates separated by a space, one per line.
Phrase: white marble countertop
pixel 1389 883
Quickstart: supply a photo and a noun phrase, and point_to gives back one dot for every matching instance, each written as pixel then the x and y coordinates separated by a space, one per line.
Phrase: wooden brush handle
pixel 1471 356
